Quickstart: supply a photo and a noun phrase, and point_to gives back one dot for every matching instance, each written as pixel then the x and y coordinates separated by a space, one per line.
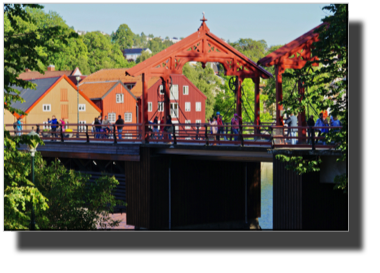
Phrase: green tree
pixel 72 53
pixel 102 53
pixel 328 85
pixel 254 50
pixel 74 202
pixel 124 37
pixel 144 55
pixel 21 51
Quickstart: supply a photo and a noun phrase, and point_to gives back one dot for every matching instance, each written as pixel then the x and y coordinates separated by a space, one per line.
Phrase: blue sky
pixel 274 23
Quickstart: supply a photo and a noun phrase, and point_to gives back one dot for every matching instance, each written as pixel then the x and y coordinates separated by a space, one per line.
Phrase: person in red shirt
pixel 219 120
pixel 235 126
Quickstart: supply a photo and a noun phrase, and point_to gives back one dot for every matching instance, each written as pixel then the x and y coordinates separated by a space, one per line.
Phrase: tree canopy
pixel 123 37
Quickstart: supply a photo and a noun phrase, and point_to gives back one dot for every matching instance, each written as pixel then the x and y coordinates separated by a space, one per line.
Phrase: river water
pixel 266 219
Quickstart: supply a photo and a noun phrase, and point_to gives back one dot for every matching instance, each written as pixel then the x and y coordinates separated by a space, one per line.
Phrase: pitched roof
pixel 115 74
pixel 189 41
pixel 133 50
pixel 44 86
pixel 96 90
pixel 30 96
pixel 48 74
pixel 137 89
pixel 270 58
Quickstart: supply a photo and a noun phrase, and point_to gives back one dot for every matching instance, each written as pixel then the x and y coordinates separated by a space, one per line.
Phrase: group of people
pixel 103 126
pixel 217 129
pixel 159 133
pixel 321 122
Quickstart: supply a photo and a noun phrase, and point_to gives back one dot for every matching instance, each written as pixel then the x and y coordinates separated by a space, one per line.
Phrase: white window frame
pixel 172 110
pixel 162 90
pixel 176 127
pixel 119 98
pixel 162 104
pixel 174 92
pixel 185 89
pixel 150 106
pixel 187 106
pixel 128 136
pixel 110 115
pixel 46 125
pixel 187 121
pixel 128 114
pixel 198 109
pixel 198 121
pixel 81 107
pixel 46 107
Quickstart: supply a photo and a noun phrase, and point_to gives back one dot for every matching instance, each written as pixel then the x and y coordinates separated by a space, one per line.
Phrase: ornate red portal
pixel 293 55
pixel 201 46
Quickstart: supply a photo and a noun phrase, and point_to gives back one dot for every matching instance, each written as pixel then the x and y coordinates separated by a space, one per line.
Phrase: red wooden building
pixel 187 102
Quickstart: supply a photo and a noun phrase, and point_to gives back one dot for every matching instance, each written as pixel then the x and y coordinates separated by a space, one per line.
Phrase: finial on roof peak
pixel 203 19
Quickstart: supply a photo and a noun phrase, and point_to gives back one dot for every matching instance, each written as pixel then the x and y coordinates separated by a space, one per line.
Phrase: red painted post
pixel 278 94
pixel 256 80
pixel 301 115
pixel 144 109
pixel 238 97
pixel 167 99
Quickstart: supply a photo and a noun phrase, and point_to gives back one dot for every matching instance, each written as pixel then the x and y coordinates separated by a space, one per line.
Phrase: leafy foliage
pixel 327 86
pixel 74 202
pixel 299 164
pixel 104 54
pixel 123 37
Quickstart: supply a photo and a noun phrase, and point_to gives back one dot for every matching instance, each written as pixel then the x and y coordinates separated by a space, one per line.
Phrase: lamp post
pixel 78 79
pixel 32 149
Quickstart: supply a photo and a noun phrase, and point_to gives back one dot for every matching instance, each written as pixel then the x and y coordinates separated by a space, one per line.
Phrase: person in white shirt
pixel 292 122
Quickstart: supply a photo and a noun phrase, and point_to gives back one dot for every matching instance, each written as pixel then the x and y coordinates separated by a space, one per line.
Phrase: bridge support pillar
pixel 302 202
pixel 257 103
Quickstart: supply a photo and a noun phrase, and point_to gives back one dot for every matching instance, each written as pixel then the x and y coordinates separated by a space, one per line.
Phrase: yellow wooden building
pixel 53 96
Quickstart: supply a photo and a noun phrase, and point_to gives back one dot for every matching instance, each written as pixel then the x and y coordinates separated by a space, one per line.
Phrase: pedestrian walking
pixel 169 127
pixel 213 127
pixel 162 128
pixel 120 121
pixel 106 126
pixel 319 123
pixel 219 119
pixel 235 126
pixel 97 127
pixel 19 126
pixel 292 122
pixel 54 126
pixel 310 124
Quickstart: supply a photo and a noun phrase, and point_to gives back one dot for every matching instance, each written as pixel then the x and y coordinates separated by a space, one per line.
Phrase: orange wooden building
pixel 113 98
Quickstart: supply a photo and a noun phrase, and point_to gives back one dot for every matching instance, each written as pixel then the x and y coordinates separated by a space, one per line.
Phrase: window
pixel 187 107
pixel 187 121
pixel 149 107
pixel 174 110
pixel 186 90
pixel 160 106
pixel 198 121
pixel 127 117
pixel 162 90
pixel 198 106
pixel 176 127
pixel 128 136
pixel 112 117
pixel 174 92
pixel 46 107
pixel 82 107
pixel 119 98
pixel 64 94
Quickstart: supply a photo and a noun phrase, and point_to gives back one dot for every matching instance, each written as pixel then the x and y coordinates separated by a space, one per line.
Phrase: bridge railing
pixel 264 135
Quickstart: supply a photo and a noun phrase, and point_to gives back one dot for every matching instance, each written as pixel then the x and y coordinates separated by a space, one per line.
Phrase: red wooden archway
pixel 293 55
pixel 201 46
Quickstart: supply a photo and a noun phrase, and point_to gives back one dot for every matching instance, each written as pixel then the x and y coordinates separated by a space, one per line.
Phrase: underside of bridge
pixel 177 191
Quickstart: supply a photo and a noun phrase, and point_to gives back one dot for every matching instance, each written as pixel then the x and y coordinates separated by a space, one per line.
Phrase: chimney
pixel 51 68
pixel 27 70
